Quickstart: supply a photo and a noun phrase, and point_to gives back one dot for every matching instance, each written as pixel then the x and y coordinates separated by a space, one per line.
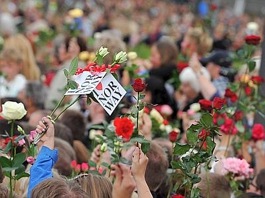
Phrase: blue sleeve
pixel 42 168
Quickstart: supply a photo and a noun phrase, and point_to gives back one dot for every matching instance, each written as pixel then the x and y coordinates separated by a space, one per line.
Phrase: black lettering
pixel 107 92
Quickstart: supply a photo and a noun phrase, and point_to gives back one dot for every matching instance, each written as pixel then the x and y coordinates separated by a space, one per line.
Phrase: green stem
pixel 57 106
pixel 10 185
pixel 12 156
pixel 71 104
pixel 200 148
pixel 137 115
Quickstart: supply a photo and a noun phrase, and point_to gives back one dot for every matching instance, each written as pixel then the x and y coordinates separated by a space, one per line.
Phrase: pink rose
pixel 32 135
pixel 30 160
pixel 84 167
pixel 166 110
pixel 21 142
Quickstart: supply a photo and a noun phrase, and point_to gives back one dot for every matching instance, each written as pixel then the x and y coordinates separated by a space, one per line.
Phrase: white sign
pixel 86 83
pixel 109 93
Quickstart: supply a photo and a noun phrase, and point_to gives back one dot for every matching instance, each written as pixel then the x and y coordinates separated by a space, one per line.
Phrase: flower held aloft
pixel 123 127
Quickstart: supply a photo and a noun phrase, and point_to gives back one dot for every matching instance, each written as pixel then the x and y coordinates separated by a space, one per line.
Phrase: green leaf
pixel 105 164
pixel 92 164
pixel 94 172
pixel 139 139
pixel 88 101
pixel 73 66
pixel 181 149
pixel 125 161
pixel 145 147
pixel 206 120
pixel 8 169
pixel 66 73
pixel 72 84
pixel 18 160
pixel 176 164
pixel 5 162
pixel 240 127
pixel 7 148
pixel 192 136
pixel 251 65
pixel 23 174
pixel 195 192
pixel 20 169
pixel 210 145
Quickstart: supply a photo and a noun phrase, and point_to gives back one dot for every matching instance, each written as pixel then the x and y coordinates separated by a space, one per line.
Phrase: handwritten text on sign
pixel 86 83
pixel 109 93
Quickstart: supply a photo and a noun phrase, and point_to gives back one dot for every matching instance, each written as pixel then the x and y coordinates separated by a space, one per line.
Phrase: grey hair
pixel 189 76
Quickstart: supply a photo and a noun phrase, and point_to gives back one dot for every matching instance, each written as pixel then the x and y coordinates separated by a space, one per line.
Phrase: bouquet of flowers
pixel 238 172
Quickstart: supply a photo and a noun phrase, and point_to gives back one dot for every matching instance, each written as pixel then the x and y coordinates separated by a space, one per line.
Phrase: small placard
pixel 86 83
pixel 109 93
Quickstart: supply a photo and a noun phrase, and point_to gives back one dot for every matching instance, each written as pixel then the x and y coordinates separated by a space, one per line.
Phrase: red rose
pixel 258 132
pixel 146 110
pixel 177 196
pixel 257 80
pixel 252 39
pixel 206 104
pixel 238 115
pixel 173 136
pixel 181 65
pixel 248 90
pixel 138 85
pixel 213 7
pixel 203 134
pixel 229 127
pixel 124 127
pixel 218 103
pixel 204 145
pixel 231 95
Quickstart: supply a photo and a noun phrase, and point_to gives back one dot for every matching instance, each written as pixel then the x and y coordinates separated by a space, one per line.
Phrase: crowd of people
pixel 183 56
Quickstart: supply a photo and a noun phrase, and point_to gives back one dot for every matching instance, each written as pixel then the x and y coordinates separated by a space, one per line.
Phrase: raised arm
pixel 47 157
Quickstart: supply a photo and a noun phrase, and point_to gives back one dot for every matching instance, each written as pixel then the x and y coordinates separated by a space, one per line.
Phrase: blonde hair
pixel 95 186
pixel 29 67
pixel 58 188
pixel 11 55
pixel 203 41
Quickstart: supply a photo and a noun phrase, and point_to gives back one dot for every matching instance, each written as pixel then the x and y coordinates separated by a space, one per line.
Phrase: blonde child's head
pixel 10 63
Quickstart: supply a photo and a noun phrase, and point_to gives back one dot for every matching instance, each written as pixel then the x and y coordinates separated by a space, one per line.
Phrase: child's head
pixel 95 186
pixel 59 188
pixel 10 63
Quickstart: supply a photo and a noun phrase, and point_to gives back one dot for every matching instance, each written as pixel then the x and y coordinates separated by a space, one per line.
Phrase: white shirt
pixel 13 87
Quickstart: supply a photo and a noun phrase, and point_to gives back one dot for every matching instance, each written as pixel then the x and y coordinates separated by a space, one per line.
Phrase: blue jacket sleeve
pixel 42 168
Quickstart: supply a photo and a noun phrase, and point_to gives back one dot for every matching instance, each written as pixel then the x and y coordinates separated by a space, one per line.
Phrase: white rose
pixel 162 127
pixel 13 111
pixel 132 55
pixel 168 129
pixel 121 57
pixel 103 51
pixel 195 107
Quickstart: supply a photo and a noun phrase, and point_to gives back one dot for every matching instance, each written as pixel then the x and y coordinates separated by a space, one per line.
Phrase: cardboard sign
pixel 109 93
pixel 86 83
